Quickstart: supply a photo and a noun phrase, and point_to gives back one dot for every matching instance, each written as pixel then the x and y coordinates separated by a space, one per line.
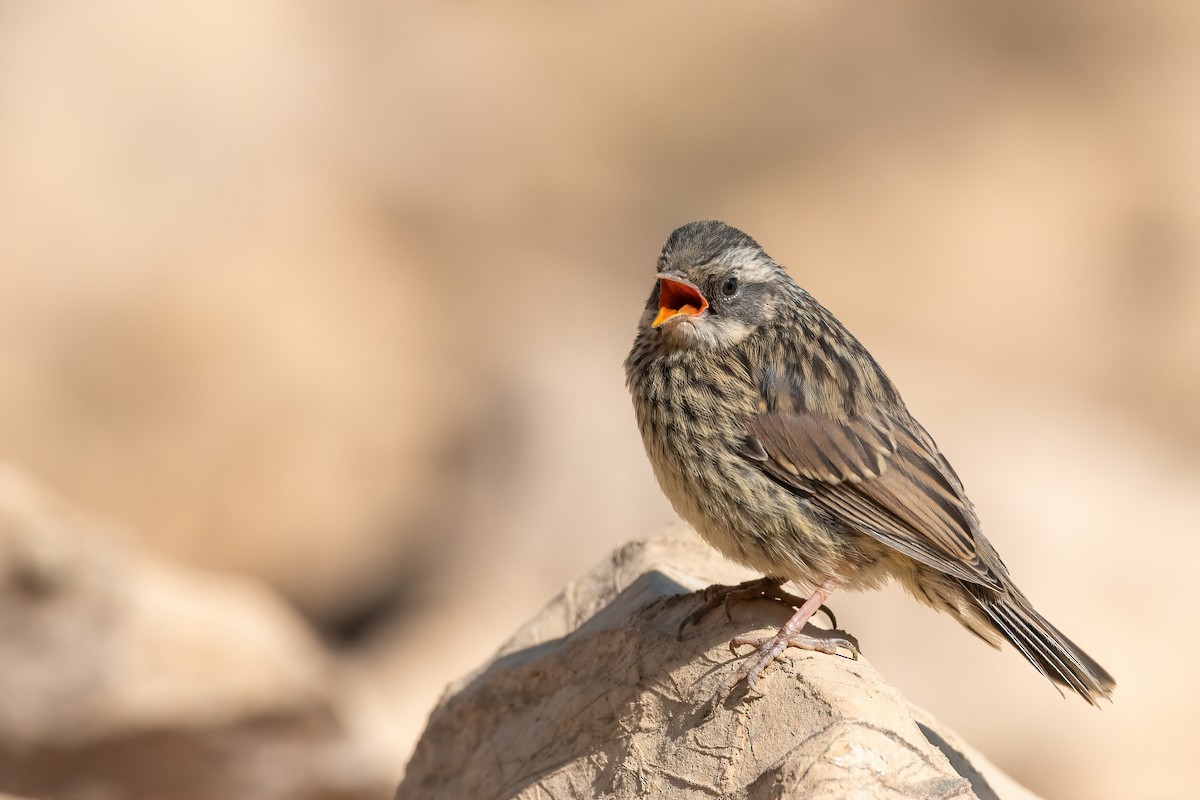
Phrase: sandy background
pixel 335 296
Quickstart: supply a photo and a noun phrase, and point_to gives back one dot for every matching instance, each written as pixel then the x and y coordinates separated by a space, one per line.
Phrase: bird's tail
pixel 1050 652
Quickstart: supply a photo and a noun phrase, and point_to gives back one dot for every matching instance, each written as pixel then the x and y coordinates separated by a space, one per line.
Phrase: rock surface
pixel 596 697
pixel 124 676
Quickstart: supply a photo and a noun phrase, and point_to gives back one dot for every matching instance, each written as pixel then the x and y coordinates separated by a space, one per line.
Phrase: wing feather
pixel 881 475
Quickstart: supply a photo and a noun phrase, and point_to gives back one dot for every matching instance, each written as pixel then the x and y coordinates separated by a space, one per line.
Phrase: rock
pixel 124 676
pixel 596 697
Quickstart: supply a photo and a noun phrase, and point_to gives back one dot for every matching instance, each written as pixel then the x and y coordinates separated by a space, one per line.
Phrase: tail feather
pixel 1050 652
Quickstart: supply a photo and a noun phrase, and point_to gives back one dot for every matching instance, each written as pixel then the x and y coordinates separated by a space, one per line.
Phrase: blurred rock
pixel 122 676
pixel 204 333
pixel 596 697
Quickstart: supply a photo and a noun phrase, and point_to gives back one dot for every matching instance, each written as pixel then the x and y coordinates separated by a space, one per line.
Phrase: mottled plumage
pixel 777 436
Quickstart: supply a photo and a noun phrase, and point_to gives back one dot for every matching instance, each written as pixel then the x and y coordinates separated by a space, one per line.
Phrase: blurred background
pixel 312 317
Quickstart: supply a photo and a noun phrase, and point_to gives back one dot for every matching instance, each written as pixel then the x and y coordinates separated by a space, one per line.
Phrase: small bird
pixel 777 436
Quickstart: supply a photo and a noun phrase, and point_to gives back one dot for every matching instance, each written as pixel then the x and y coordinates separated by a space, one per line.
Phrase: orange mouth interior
pixel 677 297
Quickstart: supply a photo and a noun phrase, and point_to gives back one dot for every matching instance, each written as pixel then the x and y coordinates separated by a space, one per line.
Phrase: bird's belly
pixel 743 514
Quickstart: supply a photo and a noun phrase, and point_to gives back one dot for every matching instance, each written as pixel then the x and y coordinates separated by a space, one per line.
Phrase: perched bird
pixel 775 434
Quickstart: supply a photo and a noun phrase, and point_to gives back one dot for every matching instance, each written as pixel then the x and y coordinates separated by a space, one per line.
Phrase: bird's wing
pixel 881 476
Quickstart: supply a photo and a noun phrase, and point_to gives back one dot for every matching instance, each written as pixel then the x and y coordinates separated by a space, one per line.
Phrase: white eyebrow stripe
pixel 752 264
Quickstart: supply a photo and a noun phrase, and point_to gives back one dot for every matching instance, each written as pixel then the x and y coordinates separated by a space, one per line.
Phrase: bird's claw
pixel 722 595
pixel 768 648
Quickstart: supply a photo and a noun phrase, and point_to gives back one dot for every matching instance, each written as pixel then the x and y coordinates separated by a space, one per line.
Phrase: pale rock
pixel 124 676
pixel 596 697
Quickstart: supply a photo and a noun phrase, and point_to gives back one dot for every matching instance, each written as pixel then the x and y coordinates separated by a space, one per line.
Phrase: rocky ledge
pixel 597 697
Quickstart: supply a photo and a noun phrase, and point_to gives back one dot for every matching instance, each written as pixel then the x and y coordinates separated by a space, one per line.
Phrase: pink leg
pixel 767 649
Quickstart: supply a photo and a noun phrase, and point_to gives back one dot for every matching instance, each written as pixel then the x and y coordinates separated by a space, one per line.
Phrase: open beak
pixel 677 296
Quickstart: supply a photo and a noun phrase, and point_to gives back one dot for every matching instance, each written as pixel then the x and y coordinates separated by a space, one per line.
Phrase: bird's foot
pixel 768 648
pixel 766 588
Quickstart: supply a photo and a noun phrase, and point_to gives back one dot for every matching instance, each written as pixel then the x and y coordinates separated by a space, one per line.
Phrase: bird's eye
pixel 729 287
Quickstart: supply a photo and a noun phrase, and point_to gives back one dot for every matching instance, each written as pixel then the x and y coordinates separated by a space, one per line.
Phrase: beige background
pixel 335 295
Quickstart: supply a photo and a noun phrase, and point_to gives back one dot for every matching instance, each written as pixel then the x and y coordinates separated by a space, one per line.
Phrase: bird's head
pixel 715 286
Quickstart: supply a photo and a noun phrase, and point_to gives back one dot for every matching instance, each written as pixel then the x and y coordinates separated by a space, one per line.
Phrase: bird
pixel 777 436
